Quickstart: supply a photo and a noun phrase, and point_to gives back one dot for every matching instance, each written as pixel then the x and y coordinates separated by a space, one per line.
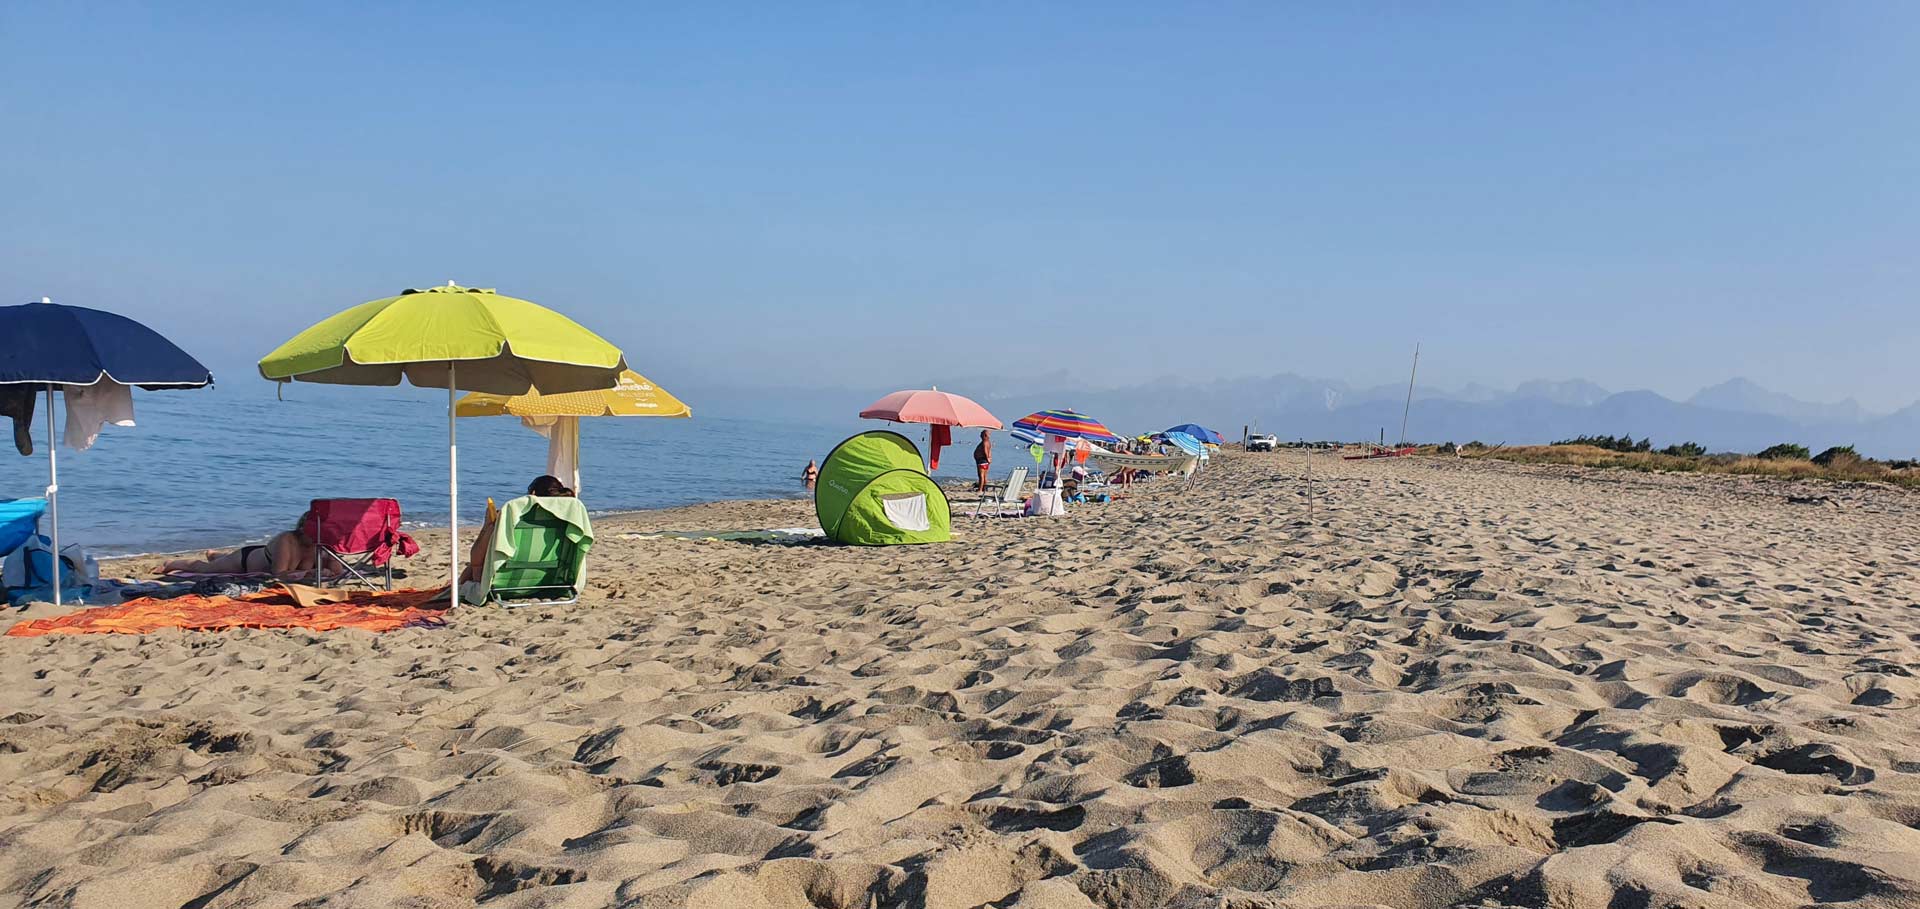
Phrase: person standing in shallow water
pixel 810 475
pixel 983 457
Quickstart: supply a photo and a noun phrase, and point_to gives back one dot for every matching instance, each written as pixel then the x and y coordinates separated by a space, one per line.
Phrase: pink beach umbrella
pixel 940 410
pixel 930 406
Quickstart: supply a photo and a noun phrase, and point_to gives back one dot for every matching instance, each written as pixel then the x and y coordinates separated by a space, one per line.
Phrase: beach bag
pixel 27 573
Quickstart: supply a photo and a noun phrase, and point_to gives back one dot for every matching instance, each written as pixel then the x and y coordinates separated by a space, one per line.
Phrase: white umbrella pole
pixel 53 492
pixel 453 496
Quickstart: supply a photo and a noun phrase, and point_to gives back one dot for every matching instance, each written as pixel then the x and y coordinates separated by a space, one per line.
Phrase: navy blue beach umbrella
pixel 51 347
pixel 51 343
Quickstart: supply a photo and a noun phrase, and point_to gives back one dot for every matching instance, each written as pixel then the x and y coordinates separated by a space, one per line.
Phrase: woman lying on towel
pixel 543 486
pixel 287 553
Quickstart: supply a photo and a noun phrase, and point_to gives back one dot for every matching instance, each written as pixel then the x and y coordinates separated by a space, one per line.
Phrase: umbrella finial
pixel 450 283
pixel 46 299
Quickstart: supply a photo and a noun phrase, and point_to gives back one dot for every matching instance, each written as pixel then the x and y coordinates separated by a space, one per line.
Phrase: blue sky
pixel 1650 195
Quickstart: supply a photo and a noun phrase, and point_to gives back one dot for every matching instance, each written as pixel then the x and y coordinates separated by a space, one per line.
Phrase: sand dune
pixel 1464 683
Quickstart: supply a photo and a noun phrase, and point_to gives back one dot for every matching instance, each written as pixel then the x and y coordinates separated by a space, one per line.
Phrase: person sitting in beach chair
pixel 285 554
pixel 532 550
pixel 1070 492
pixel 543 486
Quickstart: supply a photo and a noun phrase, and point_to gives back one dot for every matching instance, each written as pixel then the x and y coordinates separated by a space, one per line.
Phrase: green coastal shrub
pixel 1837 455
pixel 1609 443
pixel 1685 450
pixel 1785 451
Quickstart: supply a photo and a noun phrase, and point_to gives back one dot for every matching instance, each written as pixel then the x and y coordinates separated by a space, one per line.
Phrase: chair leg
pixel 348 571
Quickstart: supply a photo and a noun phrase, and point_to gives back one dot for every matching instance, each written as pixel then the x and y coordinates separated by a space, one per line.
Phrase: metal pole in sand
pixel 53 496
pixel 1309 487
pixel 453 492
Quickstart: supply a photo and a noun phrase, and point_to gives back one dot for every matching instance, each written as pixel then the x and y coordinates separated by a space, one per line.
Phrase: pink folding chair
pixel 360 536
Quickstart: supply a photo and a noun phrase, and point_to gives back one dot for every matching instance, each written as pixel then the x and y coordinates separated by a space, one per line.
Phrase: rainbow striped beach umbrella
pixel 1066 423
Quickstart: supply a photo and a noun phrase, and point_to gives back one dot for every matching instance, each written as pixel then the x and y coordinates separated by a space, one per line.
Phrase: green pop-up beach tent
pixel 874 491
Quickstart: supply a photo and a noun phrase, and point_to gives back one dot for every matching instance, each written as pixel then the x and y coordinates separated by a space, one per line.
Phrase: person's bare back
pixel 286 554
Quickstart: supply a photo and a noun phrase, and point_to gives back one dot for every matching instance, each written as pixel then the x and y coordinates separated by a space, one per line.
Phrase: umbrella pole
pixel 53 492
pixel 453 496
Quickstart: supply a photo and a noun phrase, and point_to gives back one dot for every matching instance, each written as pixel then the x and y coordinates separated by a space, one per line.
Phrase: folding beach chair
pixel 1009 494
pixel 538 555
pixel 356 539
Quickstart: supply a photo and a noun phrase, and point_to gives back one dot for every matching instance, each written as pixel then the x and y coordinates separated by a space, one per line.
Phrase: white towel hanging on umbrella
pixel 91 407
pixel 563 446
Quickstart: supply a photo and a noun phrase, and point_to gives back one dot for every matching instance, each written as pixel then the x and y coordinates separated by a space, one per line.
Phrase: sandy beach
pixel 1463 683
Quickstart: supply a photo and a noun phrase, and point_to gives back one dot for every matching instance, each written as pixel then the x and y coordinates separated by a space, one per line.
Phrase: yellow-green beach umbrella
pixel 457 338
pixel 501 344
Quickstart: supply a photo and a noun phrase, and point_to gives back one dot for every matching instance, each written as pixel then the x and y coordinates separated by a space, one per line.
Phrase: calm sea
pixel 220 466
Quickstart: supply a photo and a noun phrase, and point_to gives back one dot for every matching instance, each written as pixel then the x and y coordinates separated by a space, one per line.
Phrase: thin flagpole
pixel 53 492
pixel 453 495
pixel 1409 408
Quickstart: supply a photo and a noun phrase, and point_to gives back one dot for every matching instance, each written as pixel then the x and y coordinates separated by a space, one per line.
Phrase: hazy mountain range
pixel 1736 415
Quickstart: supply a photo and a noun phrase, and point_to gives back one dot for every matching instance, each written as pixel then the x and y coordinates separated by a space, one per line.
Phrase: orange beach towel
pixel 296 607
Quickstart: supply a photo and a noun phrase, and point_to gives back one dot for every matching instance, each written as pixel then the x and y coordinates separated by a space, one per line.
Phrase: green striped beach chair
pixel 538 555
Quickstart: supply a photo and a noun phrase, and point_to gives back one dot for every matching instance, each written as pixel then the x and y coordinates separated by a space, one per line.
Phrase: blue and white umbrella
pixel 1186 443
pixel 1199 432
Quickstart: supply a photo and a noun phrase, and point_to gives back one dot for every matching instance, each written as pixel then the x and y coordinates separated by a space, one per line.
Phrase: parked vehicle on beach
pixel 1259 442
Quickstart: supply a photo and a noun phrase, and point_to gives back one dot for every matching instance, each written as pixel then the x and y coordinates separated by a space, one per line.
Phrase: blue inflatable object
pixel 19 521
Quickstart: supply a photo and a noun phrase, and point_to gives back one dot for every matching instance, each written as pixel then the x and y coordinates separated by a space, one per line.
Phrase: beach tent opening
pixel 873 490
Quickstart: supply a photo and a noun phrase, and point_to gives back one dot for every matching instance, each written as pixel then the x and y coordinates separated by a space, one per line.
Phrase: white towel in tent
pixel 906 510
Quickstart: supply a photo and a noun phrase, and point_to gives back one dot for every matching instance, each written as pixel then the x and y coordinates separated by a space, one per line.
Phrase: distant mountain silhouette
pixel 1744 396
pixel 1732 416
pixel 1572 392
pixel 1295 407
